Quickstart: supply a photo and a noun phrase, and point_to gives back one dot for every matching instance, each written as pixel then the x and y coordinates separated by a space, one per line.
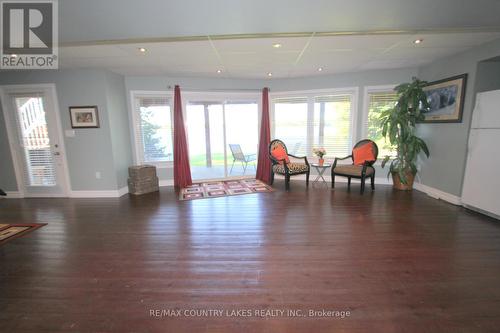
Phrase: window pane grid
pixel 153 129
pixel 34 136
pixel 152 101
pixel 333 124
pixel 290 123
pixel 316 122
pixel 377 103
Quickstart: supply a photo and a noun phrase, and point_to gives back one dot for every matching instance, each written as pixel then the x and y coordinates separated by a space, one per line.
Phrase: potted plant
pixel 398 125
pixel 320 152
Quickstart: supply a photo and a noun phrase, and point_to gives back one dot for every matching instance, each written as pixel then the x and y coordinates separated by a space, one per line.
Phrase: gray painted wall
pixel 90 150
pixel 119 127
pixel 448 142
pixel 359 80
pixel 162 83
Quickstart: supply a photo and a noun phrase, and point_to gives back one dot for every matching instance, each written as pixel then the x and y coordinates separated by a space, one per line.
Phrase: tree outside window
pixel 379 102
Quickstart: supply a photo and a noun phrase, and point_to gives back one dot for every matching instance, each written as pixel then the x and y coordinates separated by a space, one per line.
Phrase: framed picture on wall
pixel 446 100
pixel 84 116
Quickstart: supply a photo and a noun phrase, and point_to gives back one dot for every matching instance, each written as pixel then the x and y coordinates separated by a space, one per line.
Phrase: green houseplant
pixel 398 125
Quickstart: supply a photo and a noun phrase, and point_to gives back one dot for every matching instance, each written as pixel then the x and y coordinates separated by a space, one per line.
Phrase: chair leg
pixel 272 177
pixel 362 185
pixel 349 182
pixel 287 182
pixel 373 182
pixel 333 180
pixel 244 167
pixel 307 179
pixel 232 167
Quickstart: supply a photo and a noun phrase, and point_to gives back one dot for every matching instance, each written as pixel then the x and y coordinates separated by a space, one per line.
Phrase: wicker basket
pixel 142 171
pixel 142 187
pixel 142 179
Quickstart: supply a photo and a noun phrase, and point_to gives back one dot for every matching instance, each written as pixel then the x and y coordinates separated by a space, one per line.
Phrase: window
pixel 333 125
pixel 290 124
pixel 35 140
pixel 378 101
pixel 314 121
pixel 153 128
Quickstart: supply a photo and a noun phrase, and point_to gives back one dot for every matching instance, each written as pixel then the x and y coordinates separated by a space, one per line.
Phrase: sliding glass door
pixel 222 138
pixel 241 127
pixel 206 140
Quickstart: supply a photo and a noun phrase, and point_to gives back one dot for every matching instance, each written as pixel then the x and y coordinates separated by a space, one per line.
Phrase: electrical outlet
pixel 97 175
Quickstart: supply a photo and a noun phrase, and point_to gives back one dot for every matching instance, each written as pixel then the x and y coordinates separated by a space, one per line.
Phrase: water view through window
pixel 215 130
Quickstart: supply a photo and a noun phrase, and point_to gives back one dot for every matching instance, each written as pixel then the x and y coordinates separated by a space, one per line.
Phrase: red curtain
pixel 264 163
pixel 182 171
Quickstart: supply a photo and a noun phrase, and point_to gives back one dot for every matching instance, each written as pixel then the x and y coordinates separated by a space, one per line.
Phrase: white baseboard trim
pixel 99 194
pixel 438 194
pixel 75 194
pixel 12 195
pixel 482 211
pixel 166 182
pixel 123 191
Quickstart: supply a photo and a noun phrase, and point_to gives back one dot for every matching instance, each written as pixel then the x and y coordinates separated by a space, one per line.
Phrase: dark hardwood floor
pixel 398 262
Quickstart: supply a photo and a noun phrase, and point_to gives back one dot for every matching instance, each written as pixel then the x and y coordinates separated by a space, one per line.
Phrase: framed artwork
pixel 84 116
pixel 446 100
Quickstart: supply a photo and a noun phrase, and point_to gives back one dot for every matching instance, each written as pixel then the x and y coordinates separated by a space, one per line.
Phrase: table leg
pixel 319 177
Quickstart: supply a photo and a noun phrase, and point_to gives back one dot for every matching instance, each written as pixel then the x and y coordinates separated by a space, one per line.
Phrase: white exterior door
pixel 37 148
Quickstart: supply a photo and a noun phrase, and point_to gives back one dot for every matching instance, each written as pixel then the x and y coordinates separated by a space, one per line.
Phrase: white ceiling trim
pixel 277 35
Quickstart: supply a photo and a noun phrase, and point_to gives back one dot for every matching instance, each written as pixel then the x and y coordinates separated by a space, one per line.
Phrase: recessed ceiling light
pixel 418 41
pixel 277 45
pixel 320 69
pixel 142 49
pixel 219 71
pixel 269 74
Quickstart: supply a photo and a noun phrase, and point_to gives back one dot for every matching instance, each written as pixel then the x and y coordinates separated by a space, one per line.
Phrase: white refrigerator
pixel 481 189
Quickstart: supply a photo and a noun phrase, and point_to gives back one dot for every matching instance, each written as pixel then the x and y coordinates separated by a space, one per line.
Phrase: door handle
pixel 57 153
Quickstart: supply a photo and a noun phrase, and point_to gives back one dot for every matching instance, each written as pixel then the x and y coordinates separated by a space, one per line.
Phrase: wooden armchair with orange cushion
pixel 282 165
pixel 364 154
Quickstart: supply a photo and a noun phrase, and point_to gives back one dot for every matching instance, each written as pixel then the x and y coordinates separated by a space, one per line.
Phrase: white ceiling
pixel 255 57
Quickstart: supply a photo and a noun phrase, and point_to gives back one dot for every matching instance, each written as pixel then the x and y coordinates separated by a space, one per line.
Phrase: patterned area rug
pixel 11 231
pixel 223 189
